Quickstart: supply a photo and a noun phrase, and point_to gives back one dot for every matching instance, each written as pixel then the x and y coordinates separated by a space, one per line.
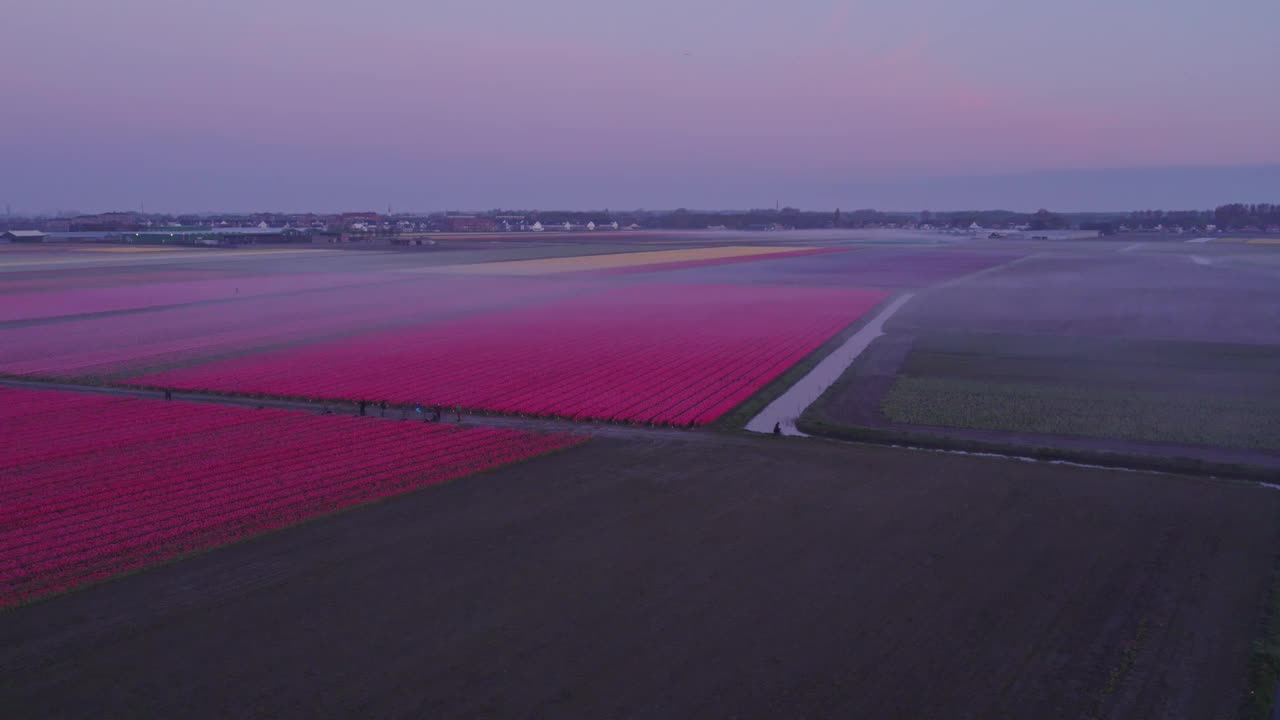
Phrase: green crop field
pixel 1138 415
pixel 1211 394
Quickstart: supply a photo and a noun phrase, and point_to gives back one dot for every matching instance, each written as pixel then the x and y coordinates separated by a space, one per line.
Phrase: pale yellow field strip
pixel 546 266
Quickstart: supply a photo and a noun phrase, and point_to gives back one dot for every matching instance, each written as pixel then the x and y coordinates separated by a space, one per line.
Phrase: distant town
pixel 418 229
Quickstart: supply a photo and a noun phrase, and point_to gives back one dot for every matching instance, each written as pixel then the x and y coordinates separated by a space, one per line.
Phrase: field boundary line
pixel 787 420
pixel 788 406
pixel 1111 460
pixel 981 273
pixel 811 431
pixel 394 413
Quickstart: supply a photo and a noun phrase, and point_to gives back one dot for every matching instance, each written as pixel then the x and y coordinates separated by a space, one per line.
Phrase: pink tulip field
pixel 60 301
pixel 113 343
pixel 664 354
pixel 93 486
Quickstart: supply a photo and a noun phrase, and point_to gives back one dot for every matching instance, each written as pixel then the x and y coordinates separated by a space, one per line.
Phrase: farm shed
pixel 22 236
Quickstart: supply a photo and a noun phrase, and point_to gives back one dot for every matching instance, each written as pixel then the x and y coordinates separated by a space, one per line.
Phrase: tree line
pixel 1234 216
pixel 1241 215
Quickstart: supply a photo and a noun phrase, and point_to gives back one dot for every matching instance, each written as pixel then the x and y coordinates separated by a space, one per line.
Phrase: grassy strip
pixel 1264 658
pixel 1103 458
pixel 1049 406
pixel 739 416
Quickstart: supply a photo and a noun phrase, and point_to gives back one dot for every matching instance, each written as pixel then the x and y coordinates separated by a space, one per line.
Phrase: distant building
pixel 81 236
pixel 470 223
pixel 30 236
pixel 347 220
pixel 218 236
pixel 105 222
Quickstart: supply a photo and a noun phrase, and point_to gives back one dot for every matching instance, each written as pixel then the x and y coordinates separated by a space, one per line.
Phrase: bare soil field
pixel 723 578
pixel 865 267
pixel 671 573
pixel 1093 351
pixel 1106 294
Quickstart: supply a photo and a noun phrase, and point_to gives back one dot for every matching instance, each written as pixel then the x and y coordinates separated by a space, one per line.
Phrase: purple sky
pixel 326 104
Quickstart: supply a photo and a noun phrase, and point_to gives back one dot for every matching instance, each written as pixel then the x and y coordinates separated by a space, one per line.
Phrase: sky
pixel 297 105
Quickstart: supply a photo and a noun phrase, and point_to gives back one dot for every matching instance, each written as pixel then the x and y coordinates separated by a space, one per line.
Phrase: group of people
pixel 418 410
pixel 382 409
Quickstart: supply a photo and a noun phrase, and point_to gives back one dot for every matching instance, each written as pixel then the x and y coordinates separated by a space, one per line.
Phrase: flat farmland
pixel 234 552
pixel 114 343
pixel 677 578
pixel 665 354
pixel 1128 353
pixel 1160 391
pixel 866 267
pixel 634 261
pixel 1157 296
pixel 138 291
pixel 94 486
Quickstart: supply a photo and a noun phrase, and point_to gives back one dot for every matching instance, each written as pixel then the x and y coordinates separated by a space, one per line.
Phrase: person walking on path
pixel 435 413
pixel 777 428
pixel 363 403
pixel 382 407
pixel 457 410
pixel 168 394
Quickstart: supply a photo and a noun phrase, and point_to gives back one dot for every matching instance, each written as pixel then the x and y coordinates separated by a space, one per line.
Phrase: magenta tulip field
pixel 109 344
pixel 665 354
pixel 92 486
pixel 59 301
